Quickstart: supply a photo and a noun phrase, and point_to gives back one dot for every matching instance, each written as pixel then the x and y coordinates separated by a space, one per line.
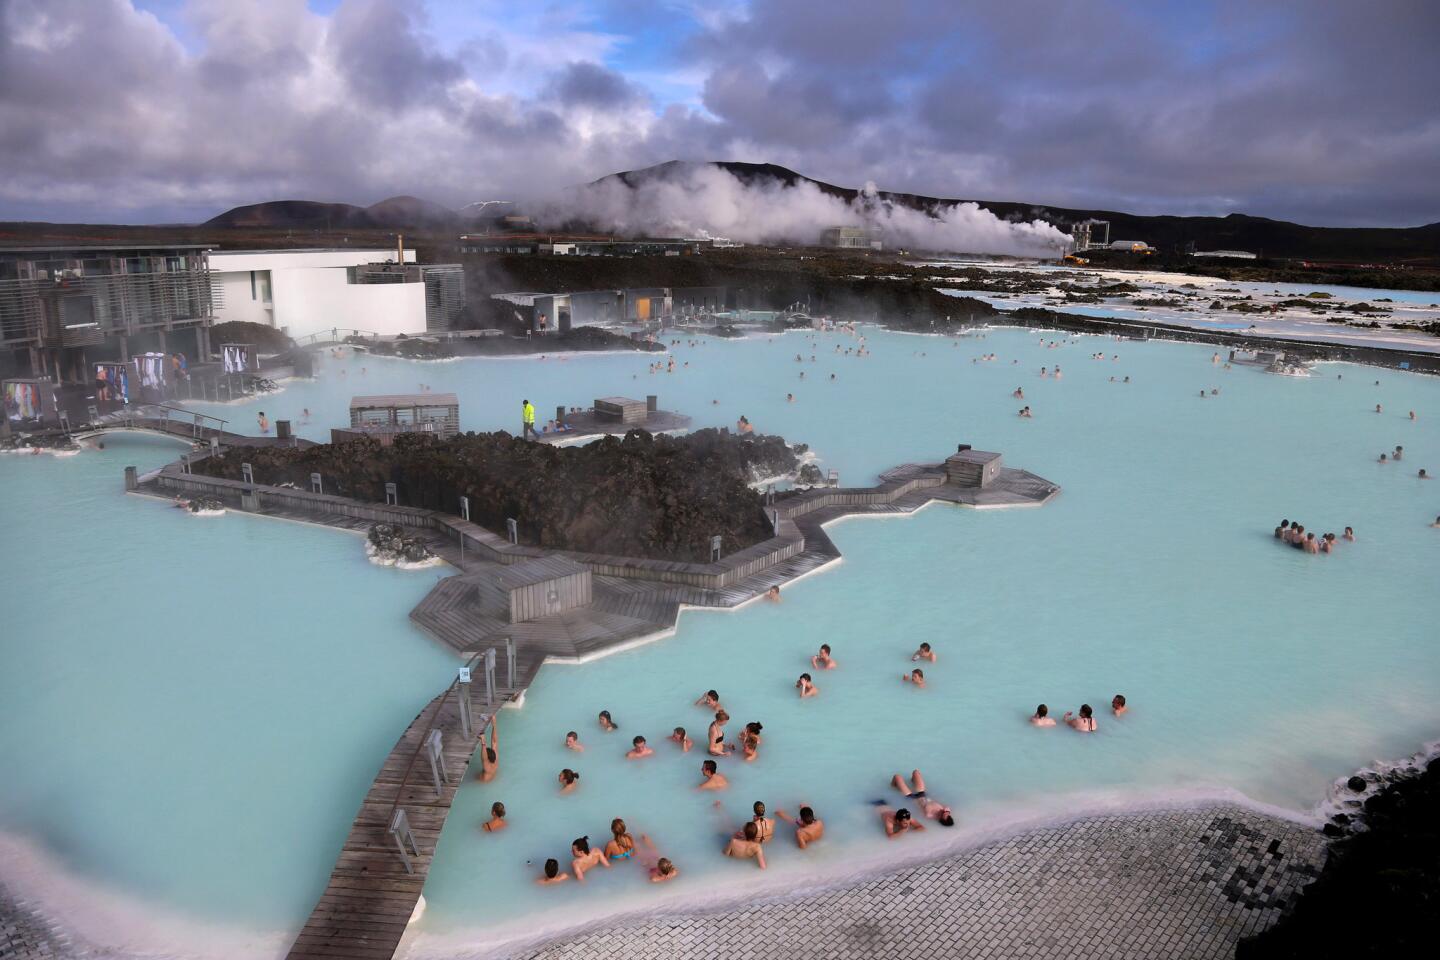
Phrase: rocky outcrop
pixel 1379 891
pixel 390 545
pixel 642 495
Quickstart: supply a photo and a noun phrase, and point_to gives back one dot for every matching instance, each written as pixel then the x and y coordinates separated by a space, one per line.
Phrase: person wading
pixel 527 413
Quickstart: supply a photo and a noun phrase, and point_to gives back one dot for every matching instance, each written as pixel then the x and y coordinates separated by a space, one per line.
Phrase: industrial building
pixel 1090 234
pixel 305 291
pixel 548 312
pixel 1227 254
pixel 1132 246
pixel 584 246
pixel 849 238
pixel 64 308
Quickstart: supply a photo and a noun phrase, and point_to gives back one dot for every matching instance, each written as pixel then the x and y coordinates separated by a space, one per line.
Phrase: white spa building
pixel 306 291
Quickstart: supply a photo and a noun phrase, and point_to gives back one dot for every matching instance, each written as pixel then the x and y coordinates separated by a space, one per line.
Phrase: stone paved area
pixel 1173 883
pixel 24 936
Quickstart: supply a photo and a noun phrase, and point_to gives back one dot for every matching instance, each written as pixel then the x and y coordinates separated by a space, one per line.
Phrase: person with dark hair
pixel 747 846
pixel 1042 717
pixel 750 740
pixel 806 686
pixel 823 660
pixel 552 873
pixel 1282 530
pixel 1117 704
pixel 710 700
pixel 898 822
pixel 572 742
pixel 569 780
pixel 607 724
pixel 682 738
pixel 497 818
pixel 924 653
pixel 585 858
pixel 715 737
pixel 932 809
pixel 764 826
pixel 640 749
pixel 714 779
pixel 490 756
pixel 1085 723
pixel 808 827
pixel 916 676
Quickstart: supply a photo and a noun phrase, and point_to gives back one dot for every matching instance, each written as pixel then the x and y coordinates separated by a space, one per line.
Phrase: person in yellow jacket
pixel 527 413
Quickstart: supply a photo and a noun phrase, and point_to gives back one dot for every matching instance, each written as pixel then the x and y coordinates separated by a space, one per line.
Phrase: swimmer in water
pixel 750 740
pixel 1117 704
pixel 1349 534
pixel 572 742
pixel 823 660
pixel 490 756
pixel 924 653
pixel 710 700
pixel 1019 393
pixel 663 870
pixel 1399 453
pixel 715 737
pixel 932 809
pixel 1085 723
pixel 1042 717
pixel 553 873
pixel 607 724
pixel 639 749
pixel 764 827
pixel 1422 474
pixel 916 676
pixel 497 818
pixel 679 736
pixel 898 822
pixel 789 398
pixel 806 687
pixel 747 846
pixel 1377 408
pixel 569 780
pixel 714 779
pixel 585 858
pixel 773 594
pixel 808 827
pixel 621 845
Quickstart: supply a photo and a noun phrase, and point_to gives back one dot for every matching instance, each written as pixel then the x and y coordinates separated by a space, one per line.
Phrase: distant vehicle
pixel 1070 258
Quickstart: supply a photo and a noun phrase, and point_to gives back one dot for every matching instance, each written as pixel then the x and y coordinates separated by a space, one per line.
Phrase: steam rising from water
pixel 711 201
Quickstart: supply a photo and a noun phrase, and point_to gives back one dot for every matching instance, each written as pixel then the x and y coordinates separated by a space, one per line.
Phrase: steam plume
pixel 705 200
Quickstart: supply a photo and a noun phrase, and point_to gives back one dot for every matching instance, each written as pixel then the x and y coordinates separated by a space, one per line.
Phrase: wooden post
pixel 132 479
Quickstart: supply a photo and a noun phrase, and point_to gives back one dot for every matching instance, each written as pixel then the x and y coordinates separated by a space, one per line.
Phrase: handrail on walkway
pixel 424 745
pixel 333 335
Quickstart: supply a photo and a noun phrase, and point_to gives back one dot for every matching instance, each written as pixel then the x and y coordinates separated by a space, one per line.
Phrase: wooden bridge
pixel 177 423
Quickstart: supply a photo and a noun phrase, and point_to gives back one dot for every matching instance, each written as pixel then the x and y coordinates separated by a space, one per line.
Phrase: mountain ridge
pixel 1235 231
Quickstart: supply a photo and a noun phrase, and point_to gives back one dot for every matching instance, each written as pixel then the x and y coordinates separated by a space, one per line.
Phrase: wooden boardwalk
pixel 193 431
pixel 371 896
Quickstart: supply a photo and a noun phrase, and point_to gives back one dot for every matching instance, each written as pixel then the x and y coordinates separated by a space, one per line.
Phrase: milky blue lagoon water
pixel 1249 666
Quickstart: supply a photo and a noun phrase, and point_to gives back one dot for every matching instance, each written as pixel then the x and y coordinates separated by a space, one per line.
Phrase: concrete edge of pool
pixel 543 606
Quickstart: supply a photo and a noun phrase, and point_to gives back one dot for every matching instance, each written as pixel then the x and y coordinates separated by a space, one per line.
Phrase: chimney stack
pixel 400 249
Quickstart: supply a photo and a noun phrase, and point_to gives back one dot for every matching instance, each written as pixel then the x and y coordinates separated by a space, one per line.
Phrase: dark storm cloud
pixel 1322 111
pixel 593 85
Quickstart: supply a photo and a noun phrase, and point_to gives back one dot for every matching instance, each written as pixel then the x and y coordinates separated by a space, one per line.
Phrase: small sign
pixel 464 674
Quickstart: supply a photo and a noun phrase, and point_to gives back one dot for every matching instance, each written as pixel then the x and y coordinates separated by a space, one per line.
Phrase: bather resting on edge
pixel 932 809
pixel 490 756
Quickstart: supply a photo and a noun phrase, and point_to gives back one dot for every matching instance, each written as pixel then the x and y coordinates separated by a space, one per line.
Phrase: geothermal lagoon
pixel 262 669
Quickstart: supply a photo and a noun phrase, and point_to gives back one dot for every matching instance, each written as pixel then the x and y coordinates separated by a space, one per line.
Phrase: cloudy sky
pixel 1323 111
